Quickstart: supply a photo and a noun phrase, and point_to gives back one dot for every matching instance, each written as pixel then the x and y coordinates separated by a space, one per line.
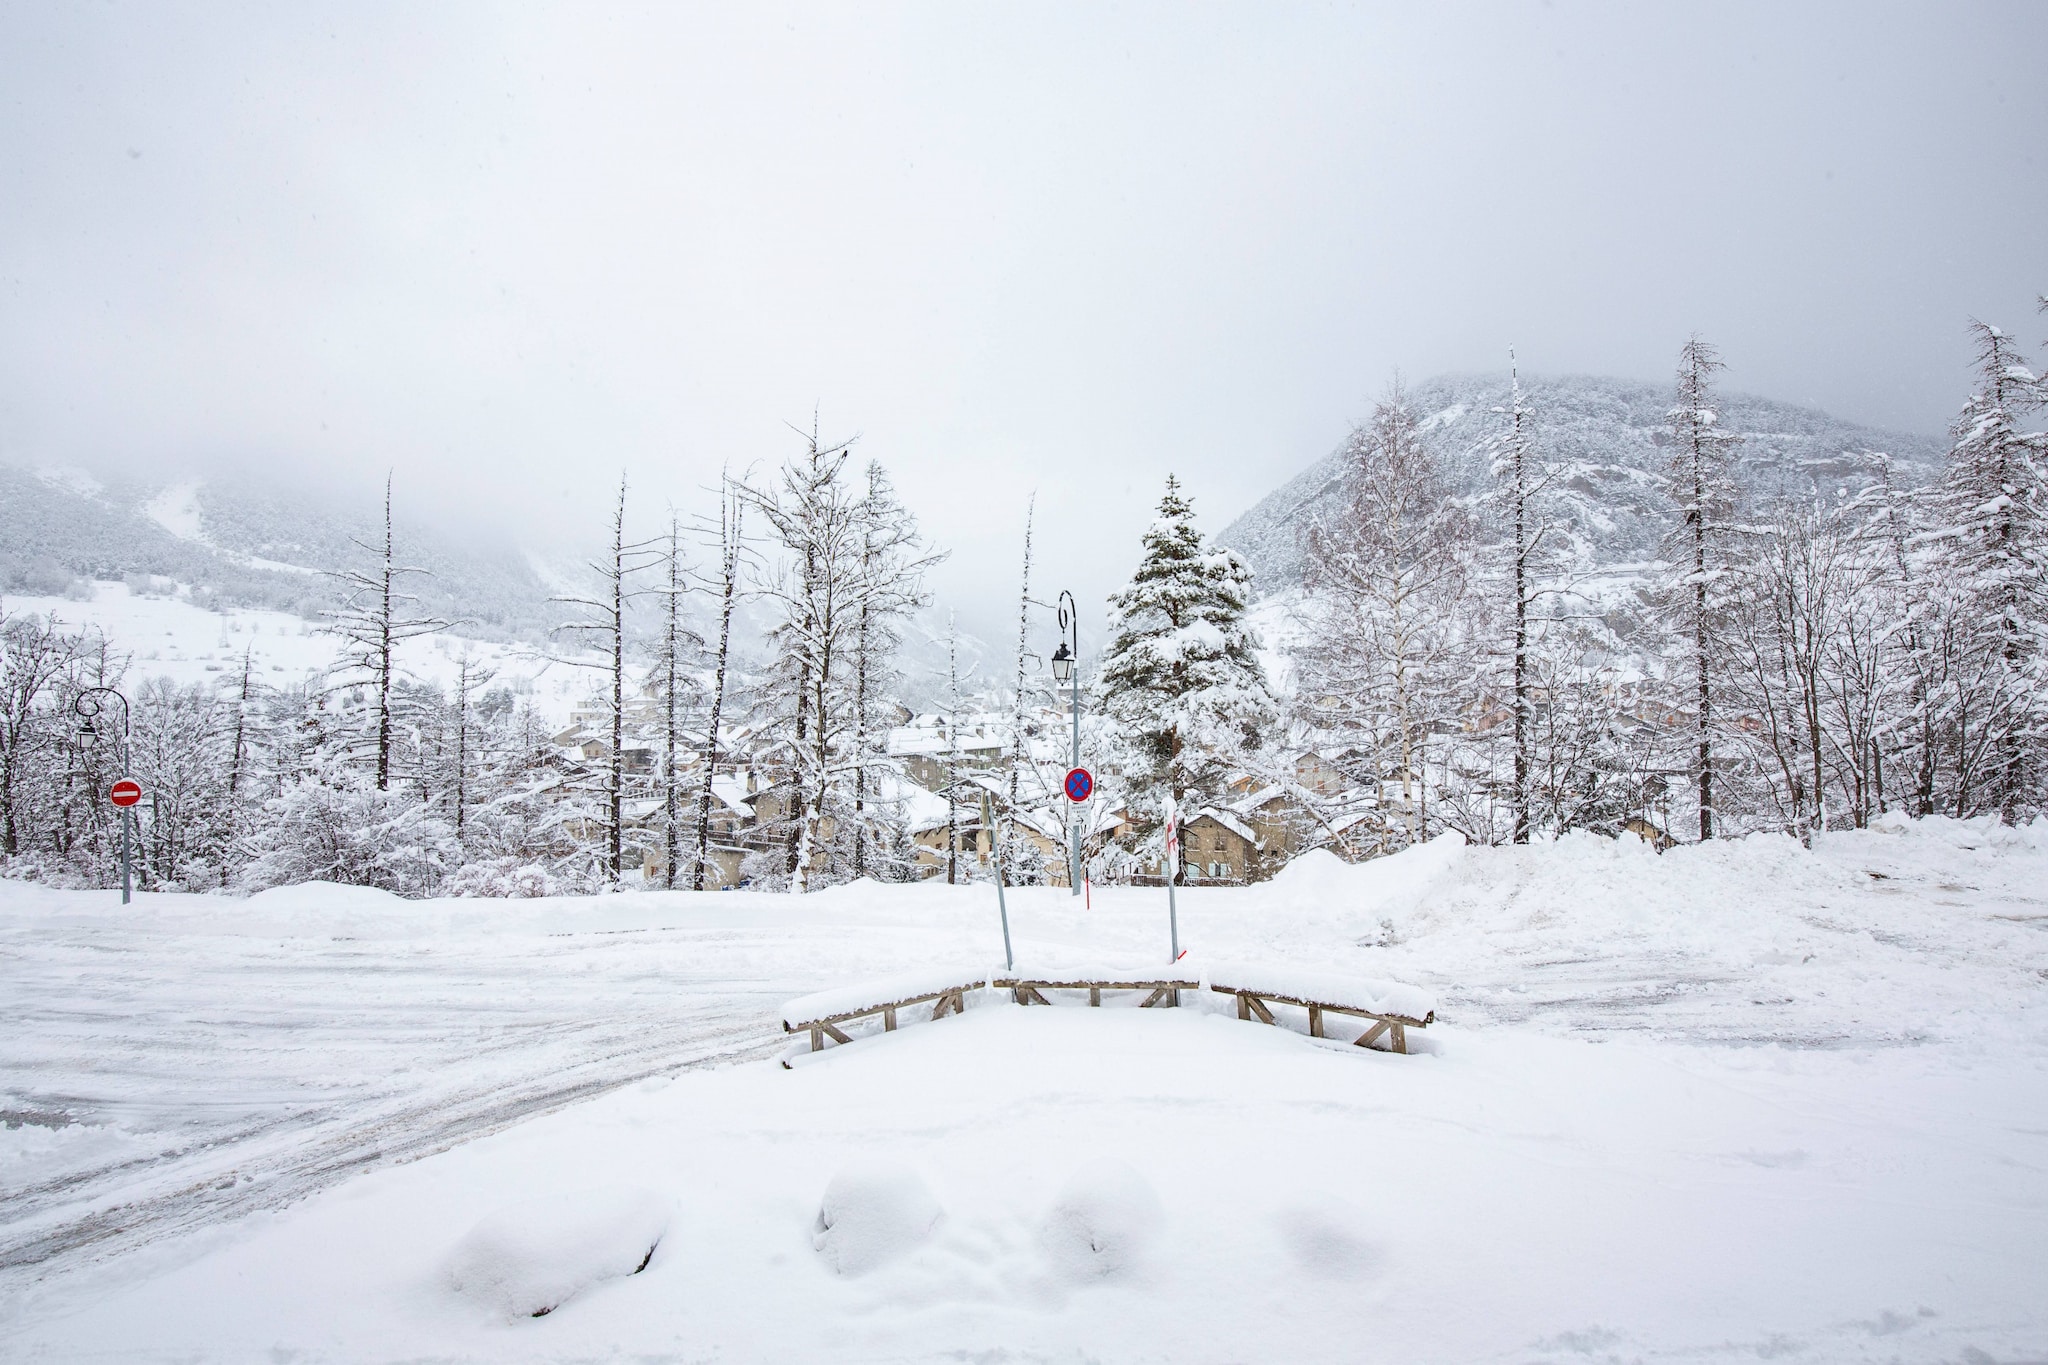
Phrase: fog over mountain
pixel 1607 437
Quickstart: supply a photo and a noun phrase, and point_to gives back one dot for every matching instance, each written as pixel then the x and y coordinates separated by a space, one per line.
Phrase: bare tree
pixel 674 683
pixel 731 538
pixel 602 621
pixel 1699 485
pixel 1390 656
pixel 372 623
pixel 1520 479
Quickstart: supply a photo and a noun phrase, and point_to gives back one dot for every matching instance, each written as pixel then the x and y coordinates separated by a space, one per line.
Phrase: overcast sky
pixel 512 250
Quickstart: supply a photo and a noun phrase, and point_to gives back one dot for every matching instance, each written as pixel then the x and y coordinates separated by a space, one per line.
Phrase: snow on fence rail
pixel 821 1012
pixel 1392 1007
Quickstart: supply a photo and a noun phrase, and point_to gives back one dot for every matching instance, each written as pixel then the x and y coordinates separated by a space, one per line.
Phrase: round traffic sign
pixel 1079 783
pixel 126 792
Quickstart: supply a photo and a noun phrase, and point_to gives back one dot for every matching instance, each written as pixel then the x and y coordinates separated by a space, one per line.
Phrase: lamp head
pixel 1062 665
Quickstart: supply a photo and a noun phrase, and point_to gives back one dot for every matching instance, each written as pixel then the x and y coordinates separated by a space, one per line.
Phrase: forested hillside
pixel 1609 439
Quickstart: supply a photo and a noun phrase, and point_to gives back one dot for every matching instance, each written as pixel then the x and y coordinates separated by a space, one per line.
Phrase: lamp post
pixel 1066 673
pixel 88 706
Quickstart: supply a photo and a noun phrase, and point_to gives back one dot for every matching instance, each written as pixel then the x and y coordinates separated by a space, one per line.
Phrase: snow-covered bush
pixel 529 1259
pixel 502 878
pixel 872 1212
pixel 337 827
pixel 1102 1221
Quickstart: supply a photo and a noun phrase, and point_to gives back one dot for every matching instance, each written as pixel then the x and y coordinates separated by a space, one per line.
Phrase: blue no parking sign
pixel 1079 784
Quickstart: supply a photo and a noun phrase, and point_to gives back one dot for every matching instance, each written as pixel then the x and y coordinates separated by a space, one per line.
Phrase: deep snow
pixel 1736 1102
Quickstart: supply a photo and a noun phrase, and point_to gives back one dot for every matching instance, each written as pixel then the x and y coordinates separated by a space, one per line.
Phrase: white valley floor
pixel 1740 1102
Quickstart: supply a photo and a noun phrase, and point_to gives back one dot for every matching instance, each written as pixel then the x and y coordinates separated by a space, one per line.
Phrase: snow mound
pixel 872 1212
pixel 1102 1221
pixel 326 896
pixel 1376 887
pixel 529 1259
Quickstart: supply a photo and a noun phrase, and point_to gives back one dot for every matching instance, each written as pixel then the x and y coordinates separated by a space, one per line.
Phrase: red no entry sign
pixel 1079 783
pixel 126 792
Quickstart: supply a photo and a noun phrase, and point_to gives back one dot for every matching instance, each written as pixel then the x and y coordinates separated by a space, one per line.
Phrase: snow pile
pixel 1102 1221
pixel 862 995
pixel 528 1259
pixel 1387 886
pixel 873 1212
pixel 325 896
pixel 1409 1003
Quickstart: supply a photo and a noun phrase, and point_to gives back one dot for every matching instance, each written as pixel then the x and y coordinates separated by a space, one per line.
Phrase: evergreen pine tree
pixel 1181 675
pixel 1992 518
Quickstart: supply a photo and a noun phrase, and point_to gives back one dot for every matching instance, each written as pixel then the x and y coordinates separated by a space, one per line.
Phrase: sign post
pixel 1172 875
pixel 125 794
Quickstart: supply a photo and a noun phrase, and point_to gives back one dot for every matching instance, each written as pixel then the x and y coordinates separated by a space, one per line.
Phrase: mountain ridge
pixel 1604 435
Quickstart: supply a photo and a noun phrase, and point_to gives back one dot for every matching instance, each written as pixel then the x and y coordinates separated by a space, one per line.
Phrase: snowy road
pixel 168 1069
pixel 157 1080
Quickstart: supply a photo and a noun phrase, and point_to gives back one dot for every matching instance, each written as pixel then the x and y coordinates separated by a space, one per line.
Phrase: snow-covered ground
pixel 169 636
pixel 1738 1102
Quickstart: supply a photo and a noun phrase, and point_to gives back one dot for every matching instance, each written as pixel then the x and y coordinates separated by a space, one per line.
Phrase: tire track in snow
pixel 428 1124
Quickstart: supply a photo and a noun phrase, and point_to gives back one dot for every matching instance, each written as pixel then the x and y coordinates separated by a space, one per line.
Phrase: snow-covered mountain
pixel 238 542
pixel 1609 436
pixel 171 567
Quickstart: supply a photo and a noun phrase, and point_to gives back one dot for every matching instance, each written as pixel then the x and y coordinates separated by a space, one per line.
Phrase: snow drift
pixel 529 1259
pixel 873 1211
pixel 1101 1222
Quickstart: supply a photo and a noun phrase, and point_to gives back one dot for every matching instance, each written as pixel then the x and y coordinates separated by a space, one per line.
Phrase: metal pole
pixel 1070 622
pixel 1002 904
pixel 1074 815
pixel 1172 875
pixel 127 814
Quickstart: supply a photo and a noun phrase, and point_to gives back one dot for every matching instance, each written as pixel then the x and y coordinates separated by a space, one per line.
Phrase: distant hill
pixel 1610 436
pixel 239 543
pixel 235 543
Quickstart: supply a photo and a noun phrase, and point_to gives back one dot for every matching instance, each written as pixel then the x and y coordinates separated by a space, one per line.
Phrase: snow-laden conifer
pixel 1181 674
pixel 1991 521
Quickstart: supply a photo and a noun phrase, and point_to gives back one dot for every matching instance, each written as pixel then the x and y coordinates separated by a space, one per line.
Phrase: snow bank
pixel 1102 1221
pixel 1379 886
pixel 328 896
pixel 884 990
pixel 1410 1003
pixel 872 1212
pixel 528 1259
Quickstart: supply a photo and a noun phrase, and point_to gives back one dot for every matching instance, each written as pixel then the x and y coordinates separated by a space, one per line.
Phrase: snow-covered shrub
pixel 500 877
pixel 1102 1221
pixel 529 1259
pixel 337 827
pixel 872 1212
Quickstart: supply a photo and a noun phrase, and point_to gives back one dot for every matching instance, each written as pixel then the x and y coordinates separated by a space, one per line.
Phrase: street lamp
pixel 87 705
pixel 1064 674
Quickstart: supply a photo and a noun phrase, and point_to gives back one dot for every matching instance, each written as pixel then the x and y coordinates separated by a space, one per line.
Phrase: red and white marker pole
pixel 125 794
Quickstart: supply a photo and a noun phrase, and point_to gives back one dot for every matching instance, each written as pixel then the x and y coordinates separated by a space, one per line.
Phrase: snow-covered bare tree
pixel 676 688
pixel 849 566
pixel 1391 653
pixel 890 586
pixel 1529 548
pixel 372 620
pixel 1699 548
pixel 599 624
pixel 728 540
